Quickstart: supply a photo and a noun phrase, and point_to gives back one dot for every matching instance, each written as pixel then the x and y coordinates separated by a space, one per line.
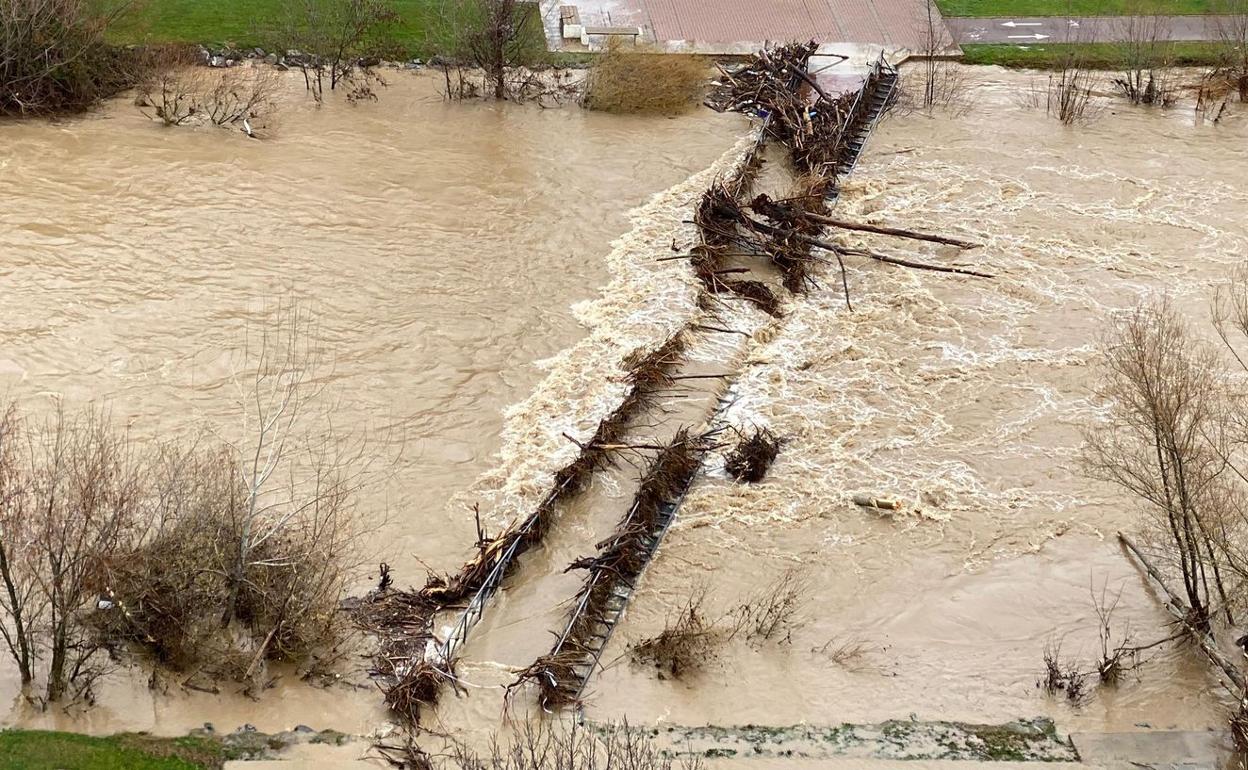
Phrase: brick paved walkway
pixel 890 23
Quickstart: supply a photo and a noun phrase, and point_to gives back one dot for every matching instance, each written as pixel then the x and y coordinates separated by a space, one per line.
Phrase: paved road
pixel 1025 30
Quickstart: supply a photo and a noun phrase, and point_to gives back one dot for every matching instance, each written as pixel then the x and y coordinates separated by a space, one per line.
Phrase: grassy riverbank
pixel 1095 55
pixel 245 23
pixel 43 750
pixel 1066 7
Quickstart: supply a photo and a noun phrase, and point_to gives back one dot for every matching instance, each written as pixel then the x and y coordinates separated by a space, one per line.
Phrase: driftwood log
pixel 896 232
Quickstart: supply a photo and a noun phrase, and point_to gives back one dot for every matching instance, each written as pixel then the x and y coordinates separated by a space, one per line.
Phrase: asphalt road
pixel 1024 30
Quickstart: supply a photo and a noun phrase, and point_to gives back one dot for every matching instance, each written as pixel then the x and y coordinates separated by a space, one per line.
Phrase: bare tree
pixel 336 40
pixel 1146 55
pixel 21 606
pixel 71 495
pixel 1231 28
pixel 1162 389
pixel 495 36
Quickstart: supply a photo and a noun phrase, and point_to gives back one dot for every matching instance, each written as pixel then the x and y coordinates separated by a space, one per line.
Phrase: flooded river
pixel 439 246
pixel 442 248
pixel 964 399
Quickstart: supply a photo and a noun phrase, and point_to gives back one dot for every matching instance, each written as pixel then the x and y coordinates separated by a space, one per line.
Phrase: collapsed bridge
pixel 767 240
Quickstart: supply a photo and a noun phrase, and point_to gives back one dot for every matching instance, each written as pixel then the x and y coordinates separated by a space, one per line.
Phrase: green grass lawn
pixel 1066 7
pixel 41 750
pixel 1095 55
pixel 242 23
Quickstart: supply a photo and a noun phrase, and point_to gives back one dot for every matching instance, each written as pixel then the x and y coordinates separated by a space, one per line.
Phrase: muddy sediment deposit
pixel 448 248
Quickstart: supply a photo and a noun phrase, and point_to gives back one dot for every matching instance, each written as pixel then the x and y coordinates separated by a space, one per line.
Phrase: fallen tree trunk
pixel 899 261
pixel 893 231
pixel 1179 609
pixel 783 232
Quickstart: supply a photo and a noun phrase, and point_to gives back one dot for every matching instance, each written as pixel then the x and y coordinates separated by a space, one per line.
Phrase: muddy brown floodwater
pixel 440 247
pixel 965 400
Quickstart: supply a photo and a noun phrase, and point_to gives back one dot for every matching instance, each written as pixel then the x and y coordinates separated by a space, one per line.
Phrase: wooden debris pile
pixel 776 86
pixel 752 457
pixel 716 218
pixel 613 571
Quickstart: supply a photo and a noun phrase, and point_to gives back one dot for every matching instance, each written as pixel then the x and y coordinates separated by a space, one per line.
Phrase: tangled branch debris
pixel 750 460
pixel 683 645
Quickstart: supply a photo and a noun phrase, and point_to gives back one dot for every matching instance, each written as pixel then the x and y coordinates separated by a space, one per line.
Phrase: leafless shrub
pixel 544 745
pixel 243 98
pixel 337 41
pixel 54 58
pixel 1213 94
pixel 496 37
pixel 177 94
pixel 257 537
pixel 1231 30
pixel 1146 55
pixel 683 645
pixel 1118 655
pixel 634 79
pixel 938 84
pixel 773 612
pixel 1068 94
pixel 1062 677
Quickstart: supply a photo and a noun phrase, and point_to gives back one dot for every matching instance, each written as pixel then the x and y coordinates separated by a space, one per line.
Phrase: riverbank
pixel 201 749
pixel 251 23
pixel 1106 56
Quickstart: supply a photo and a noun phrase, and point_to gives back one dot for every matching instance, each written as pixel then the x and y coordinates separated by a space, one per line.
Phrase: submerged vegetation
pixel 210 556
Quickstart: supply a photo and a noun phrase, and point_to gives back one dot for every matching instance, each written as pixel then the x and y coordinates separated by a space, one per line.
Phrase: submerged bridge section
pixel 841 125
pixel 877 92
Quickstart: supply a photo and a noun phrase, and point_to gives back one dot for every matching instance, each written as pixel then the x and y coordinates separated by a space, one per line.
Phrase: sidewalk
pixel 1024 30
